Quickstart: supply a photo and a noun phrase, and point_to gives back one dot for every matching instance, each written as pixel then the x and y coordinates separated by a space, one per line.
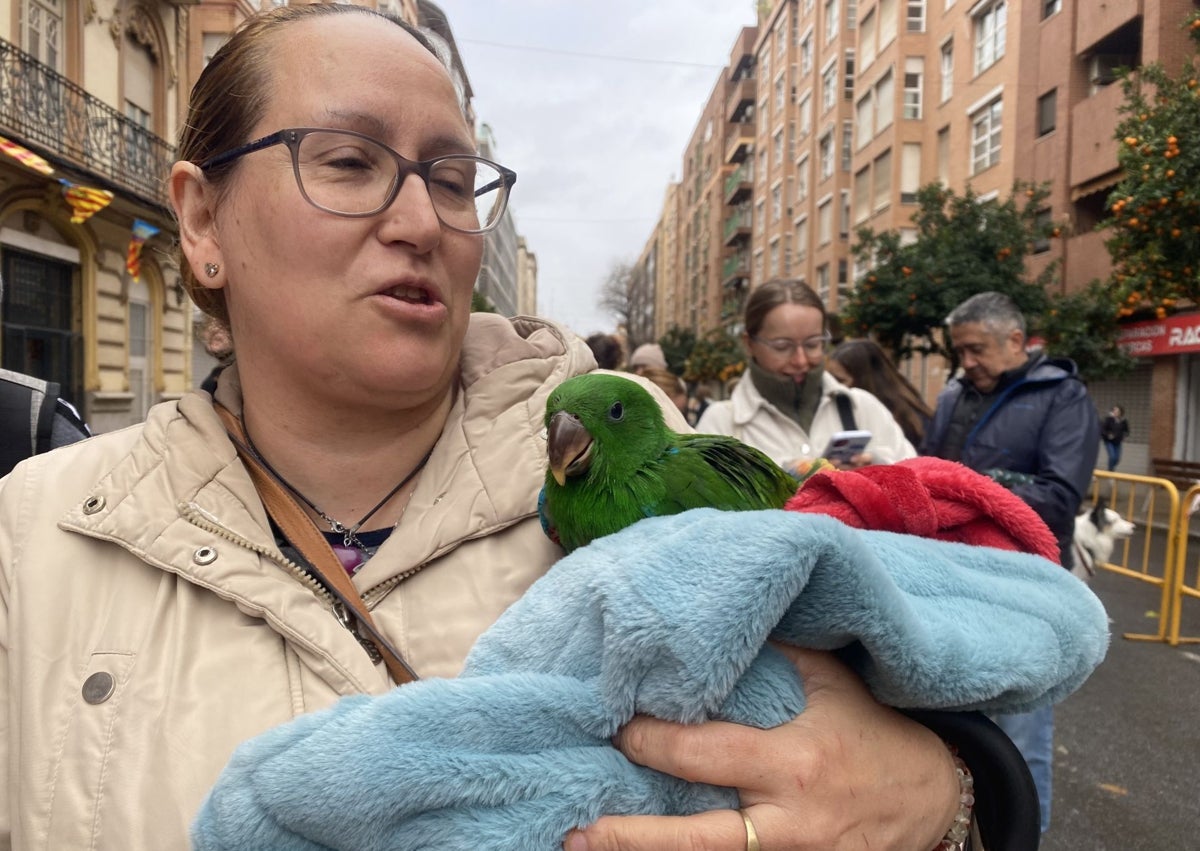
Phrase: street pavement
pixel 1127 761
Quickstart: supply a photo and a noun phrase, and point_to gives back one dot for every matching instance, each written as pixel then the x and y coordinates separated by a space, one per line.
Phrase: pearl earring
pixel 211 269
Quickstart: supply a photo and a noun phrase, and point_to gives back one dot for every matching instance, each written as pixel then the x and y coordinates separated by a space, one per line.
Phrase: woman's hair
pixel 607 350
pixel 669 382
pixel 230 95
pixel 873 371
pixel 773 293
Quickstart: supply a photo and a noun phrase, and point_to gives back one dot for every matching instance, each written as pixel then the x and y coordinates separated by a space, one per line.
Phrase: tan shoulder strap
pixel 303 534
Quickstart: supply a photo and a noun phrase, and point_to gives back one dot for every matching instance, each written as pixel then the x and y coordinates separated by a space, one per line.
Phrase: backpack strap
pixel 44 425
pixel 845 406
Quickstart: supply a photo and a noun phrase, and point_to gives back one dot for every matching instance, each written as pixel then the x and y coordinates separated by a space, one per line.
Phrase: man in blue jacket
pixel 1027 422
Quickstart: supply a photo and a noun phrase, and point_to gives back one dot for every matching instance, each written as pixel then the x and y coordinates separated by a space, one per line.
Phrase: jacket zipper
pixel 343 615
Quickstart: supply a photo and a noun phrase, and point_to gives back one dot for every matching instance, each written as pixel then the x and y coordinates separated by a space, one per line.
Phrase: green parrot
pixel 613 461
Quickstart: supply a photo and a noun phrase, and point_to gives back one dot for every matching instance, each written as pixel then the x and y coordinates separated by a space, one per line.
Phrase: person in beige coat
pixel 151 616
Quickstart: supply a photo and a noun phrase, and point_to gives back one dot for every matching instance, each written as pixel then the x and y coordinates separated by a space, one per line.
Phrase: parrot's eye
pixel 617 412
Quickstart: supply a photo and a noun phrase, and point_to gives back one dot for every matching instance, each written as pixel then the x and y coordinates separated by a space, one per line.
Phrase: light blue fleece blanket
pixel 669 618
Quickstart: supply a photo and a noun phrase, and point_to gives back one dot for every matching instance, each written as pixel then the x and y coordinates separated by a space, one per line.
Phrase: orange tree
pixel 963 246
pixel 717 355
pixel 1155 209
pixel 677 344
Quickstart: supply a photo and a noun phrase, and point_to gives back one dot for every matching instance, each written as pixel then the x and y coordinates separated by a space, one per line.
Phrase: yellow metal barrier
pixel 1154 505
pixel 1180 586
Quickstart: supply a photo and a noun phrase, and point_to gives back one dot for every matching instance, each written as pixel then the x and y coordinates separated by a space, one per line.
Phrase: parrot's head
pixel 602 424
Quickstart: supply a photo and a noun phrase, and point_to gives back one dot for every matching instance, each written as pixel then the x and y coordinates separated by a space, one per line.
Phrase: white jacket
pixel 752 419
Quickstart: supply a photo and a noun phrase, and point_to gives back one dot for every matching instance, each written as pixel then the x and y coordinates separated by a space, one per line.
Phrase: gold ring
pixel 751 833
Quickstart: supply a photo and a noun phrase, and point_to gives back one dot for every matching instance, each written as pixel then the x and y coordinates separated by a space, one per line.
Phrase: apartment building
pixel 839 110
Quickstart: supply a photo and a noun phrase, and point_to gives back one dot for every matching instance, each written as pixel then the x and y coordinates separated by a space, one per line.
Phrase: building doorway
pixel 38 321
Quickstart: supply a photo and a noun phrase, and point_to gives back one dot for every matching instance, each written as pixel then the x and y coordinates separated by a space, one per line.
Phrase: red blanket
pixel 929 497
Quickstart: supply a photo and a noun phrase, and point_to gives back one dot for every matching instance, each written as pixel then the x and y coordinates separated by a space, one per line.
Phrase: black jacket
pixel 1042 426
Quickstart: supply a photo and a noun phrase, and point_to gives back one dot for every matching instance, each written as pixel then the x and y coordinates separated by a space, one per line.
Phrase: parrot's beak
pixel 569 446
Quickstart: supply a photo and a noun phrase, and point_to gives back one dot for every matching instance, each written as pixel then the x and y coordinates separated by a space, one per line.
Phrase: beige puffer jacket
pixel 149 623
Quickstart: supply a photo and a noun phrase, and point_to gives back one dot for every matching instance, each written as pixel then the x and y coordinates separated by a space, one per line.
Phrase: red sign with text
pixel 1174 335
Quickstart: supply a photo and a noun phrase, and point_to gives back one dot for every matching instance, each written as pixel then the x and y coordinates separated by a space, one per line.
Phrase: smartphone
pixel 844 445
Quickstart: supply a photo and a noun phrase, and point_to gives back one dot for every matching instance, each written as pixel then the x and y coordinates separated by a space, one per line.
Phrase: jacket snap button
pixel 98 687
pixel 93 504
pixel 204 555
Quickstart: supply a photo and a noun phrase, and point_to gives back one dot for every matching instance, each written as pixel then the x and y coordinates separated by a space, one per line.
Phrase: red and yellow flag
pixel 84 200
pixel 142 231
pixel 25 156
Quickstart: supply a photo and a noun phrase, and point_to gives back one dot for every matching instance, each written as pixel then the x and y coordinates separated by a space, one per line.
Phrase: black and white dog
pixel 1097 530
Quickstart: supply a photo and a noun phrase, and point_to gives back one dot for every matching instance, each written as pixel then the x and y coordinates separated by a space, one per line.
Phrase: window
pixel 943 156
pixel 777 146
pixel 910 172
pixel 806 53
pixel 831 19
pixel 779 93
pixel 884 101
pixel 915 19
pixel 1050 7
pixel 844 215
pixel 990 26
pixel 829 84
pixel 210 44
pixel 914 73
pixel 758 266
pixel 947 70
pixel 774 262
pixel 1042 223
pixel 887 22
pixel 141 348
pixel 866 40
pixel 764 64
pixel 862 194
pixel 985 137
pixel 42 31
pixel 776 203
pixel 825 151
pixel 1047 107
pixel 851 14
pixel 805 114
pixel 802 170
pixel 847 144
pixel 864 112
pixel 848 80
pixel 883 179
pixel 39 319
pixel 802 239
pixel 823 283
pixel 781 36
pixel 825 222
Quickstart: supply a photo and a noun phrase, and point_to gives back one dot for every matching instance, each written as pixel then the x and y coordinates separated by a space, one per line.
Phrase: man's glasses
pixel 350 174
pixel 784 347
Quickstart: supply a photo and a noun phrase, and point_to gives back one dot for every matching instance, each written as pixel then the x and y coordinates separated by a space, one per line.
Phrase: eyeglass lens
pixel 783 346
pixel 349 174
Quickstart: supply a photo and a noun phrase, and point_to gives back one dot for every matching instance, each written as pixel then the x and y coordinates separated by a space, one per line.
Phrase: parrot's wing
pixel 544 516
pixel 722 472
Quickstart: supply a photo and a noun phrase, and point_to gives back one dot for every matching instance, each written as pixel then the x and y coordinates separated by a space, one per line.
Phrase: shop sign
pixel 1174 335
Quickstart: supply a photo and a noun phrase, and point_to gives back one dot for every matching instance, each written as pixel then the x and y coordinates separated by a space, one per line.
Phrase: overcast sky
pixel 591 102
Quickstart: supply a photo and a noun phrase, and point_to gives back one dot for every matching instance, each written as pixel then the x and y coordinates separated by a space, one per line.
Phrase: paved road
pixel 1127 762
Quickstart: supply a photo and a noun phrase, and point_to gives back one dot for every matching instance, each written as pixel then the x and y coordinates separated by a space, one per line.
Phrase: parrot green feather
pixel 614 461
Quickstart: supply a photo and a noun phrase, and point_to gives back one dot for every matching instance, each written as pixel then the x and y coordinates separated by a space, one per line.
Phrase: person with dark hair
pixel 607 350
pixel 787 403
pixel 1027 422
pixel 1114 430
pixel 864 364
pixel 358 503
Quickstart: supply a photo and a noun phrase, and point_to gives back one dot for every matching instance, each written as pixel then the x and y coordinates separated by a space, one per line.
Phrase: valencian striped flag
pixel 142 231
pixel 25 156
pixel 84 200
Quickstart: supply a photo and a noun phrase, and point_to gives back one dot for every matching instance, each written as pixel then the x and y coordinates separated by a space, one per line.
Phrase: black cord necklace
pixel 349 533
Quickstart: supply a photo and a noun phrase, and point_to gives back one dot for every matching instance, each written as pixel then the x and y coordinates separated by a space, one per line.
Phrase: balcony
pixel 735 270
pixel 741 100
pixel 740 183
pixel 44 109
pixel 741 144
pixel 737 227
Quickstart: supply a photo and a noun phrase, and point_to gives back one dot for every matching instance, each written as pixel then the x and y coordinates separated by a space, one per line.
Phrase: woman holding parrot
pixel 787 404
pixel 145 570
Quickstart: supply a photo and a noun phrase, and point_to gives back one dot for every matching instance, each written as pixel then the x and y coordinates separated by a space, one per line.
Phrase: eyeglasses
pixel 350 174
pixel 812 346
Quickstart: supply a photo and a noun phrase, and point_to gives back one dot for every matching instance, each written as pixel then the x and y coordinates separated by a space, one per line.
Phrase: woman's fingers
pixel 718 830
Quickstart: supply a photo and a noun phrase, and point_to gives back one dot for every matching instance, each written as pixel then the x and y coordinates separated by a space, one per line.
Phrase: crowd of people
pixel 331 208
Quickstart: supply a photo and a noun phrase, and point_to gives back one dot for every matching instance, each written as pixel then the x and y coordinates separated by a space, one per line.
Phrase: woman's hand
pixel 847 774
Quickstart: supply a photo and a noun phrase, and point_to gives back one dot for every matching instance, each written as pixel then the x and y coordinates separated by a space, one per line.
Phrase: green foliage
pixel 480 303
pixel 964 246
pixel 677 345
pixel 1083 327
pixel 1155 209
pixel 716 356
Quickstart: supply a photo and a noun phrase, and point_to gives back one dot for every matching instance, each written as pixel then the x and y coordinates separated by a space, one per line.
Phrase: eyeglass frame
pixel 811 345
pixel 292 136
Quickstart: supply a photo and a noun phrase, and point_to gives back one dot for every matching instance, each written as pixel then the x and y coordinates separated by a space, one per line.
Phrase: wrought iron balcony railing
pixel 45 109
